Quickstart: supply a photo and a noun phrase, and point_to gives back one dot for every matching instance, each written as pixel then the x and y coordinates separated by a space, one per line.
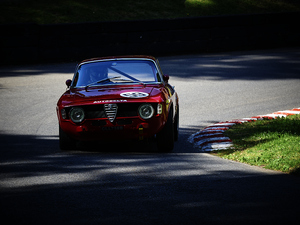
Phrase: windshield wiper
pixel 101 81
pixel 129 80
pixel 126 75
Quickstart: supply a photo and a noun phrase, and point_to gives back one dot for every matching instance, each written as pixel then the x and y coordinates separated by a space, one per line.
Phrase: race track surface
pixel 121 183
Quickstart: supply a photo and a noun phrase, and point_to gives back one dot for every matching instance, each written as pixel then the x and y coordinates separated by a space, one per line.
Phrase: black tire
pixel 176 125
pixel 65 142
pixel 165 138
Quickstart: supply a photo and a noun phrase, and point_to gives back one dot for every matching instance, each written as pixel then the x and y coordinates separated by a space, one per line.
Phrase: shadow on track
pixel 255 65
pixel 40 184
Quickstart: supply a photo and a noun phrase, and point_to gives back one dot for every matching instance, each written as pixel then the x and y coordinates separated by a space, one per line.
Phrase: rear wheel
pixel 65 142
pixel 165 138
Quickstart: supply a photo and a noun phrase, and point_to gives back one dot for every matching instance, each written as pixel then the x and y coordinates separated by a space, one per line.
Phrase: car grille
pixel 95 111
pixel 120 112
pixel 123 110
pixel 111 111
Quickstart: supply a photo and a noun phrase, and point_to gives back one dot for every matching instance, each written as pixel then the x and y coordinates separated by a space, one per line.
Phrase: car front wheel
pixel 65 142
pixel 176 125
pixel 165 138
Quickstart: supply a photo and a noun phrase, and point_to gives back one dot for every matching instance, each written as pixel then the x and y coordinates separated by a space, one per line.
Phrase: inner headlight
pixel 63 114
pixel 146 111
pixel 159 108
pixel 77 114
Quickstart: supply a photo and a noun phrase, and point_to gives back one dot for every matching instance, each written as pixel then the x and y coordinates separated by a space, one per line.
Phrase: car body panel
pixel 127 99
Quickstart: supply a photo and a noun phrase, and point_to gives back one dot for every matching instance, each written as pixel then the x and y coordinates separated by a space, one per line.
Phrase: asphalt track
pixel 117 183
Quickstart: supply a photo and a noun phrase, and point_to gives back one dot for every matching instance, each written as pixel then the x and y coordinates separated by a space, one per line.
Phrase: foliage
pixel 71 11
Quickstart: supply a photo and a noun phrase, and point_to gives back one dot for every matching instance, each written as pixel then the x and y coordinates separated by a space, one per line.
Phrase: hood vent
pixel 111 111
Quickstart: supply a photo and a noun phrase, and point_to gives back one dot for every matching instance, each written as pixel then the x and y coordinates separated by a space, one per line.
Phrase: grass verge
pixel 73 11
pixel 272 144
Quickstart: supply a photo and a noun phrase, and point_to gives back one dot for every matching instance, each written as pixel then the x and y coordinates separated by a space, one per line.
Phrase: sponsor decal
pixel 105 101
pixel 134 94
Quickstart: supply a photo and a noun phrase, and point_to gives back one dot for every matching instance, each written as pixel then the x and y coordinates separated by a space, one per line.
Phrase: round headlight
pixel 146 111
pixel 77 114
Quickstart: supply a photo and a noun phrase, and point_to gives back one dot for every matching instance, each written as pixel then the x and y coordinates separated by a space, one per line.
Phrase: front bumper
pixel 120 129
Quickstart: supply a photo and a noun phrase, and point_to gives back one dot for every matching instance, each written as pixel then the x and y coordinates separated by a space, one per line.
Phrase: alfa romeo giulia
pixel 115 98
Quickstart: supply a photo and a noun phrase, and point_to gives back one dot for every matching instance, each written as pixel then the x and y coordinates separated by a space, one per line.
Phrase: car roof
pixel 136 57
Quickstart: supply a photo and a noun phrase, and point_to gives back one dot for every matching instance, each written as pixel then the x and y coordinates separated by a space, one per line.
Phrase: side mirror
pixel 166 78
pixel 68 83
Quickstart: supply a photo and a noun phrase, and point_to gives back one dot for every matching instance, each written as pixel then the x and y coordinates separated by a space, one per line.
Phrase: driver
pixel 97 73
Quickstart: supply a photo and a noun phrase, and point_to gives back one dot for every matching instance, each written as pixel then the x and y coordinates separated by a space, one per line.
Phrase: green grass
pixel 70 11
pixel 272 144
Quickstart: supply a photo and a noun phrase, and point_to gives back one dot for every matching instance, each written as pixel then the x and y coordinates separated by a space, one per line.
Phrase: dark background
pixel 33 43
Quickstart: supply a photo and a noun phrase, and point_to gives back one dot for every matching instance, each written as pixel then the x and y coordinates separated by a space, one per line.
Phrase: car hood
pixel 110 94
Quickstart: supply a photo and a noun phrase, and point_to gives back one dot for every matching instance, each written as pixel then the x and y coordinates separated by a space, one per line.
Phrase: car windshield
pixel 116 72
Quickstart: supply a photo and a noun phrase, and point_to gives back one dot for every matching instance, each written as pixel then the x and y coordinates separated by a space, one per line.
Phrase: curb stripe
pixel 212 137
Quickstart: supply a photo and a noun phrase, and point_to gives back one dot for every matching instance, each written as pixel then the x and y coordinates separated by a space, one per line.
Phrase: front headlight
pixel 146 111
pixel 77 114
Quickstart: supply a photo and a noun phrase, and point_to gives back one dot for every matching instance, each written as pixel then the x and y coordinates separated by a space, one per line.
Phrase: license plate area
pixel 112 128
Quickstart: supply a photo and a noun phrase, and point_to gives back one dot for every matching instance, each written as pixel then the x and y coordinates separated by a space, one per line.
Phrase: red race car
pixel 114 98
